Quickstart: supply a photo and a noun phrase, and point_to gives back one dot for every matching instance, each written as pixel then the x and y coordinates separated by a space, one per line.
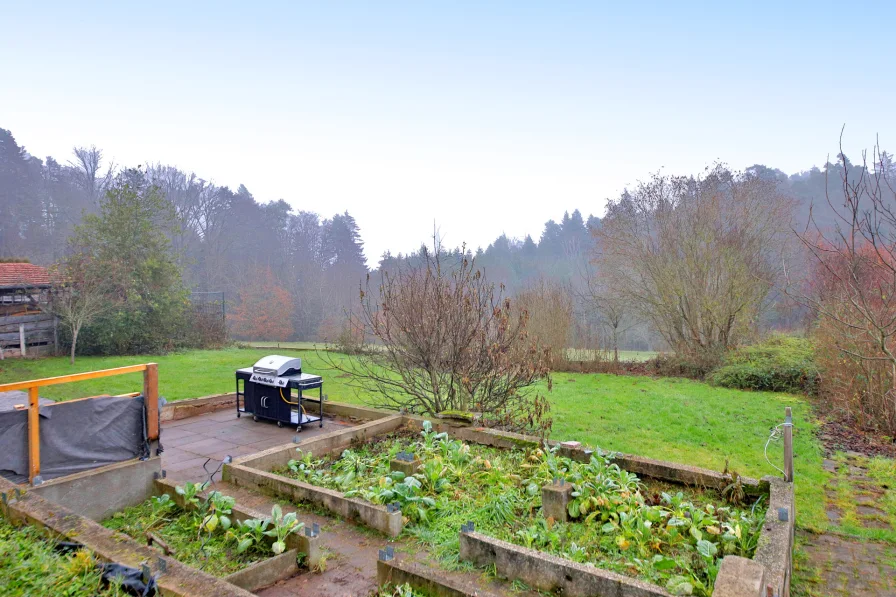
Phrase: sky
pixel 477 118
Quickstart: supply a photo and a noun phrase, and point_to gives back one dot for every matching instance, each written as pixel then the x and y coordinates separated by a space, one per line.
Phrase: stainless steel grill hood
pixel 278 365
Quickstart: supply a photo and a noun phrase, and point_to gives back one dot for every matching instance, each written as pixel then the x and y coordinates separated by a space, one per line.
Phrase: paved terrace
pixel 190 442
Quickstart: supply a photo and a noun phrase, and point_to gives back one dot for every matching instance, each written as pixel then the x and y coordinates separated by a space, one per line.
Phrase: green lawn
pixel 188 374
pixel 670 419
pixel 585 354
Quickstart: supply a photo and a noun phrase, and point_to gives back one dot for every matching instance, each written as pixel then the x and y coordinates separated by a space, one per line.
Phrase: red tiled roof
pixel 23 274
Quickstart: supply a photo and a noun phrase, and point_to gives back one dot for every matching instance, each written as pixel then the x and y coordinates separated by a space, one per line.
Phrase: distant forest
pixel 230 241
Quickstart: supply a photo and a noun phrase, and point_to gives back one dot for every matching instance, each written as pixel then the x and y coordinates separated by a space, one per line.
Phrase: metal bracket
pixel 387 554
pixel 12 496
pixel 313 530
pixel 783 514
pixel 468 528
pixel 393 507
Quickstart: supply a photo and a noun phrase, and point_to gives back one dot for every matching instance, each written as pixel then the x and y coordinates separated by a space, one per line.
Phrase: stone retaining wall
pixel 425 579
pixel 371 515
pixel 183 409
pixel 550 573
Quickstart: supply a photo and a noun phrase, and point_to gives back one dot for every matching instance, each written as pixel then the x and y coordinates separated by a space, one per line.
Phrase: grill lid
pixel 278 365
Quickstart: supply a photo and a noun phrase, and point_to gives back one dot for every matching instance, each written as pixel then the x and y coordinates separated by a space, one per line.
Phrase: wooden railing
pixel 150 394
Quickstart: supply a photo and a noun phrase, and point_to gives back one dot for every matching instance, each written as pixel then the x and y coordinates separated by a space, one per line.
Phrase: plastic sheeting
pixel 74 436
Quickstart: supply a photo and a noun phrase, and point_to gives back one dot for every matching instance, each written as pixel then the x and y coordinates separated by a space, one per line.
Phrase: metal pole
pixel 788 445
pixel 22 339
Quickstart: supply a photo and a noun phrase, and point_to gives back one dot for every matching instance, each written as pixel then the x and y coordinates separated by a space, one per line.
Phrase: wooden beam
pixel 52 381
pixel 33 434
pixel 788 445
pixel 151 398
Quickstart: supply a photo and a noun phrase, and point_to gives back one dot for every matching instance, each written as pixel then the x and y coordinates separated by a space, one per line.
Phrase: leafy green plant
pixel 217 513
pixel 306 468
pixel 190 492
pixel 281 527
pixel 430 437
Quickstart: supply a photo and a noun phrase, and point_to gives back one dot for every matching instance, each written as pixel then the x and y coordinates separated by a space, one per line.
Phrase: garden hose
pixel 282 397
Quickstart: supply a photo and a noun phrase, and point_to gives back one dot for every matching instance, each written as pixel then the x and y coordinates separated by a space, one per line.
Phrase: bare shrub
pixel 550 311
pixel 344 334
pixel 854 294
pixel 447 339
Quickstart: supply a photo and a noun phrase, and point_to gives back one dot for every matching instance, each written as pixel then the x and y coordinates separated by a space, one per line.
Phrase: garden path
pixel 836 565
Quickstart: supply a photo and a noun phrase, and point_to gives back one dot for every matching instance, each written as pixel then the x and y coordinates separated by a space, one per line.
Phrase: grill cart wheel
pixel 279 423
pixel 255 418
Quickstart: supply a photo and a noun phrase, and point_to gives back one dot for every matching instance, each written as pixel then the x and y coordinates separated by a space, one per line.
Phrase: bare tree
pixel 853 291
pixel 449 340
pixel 697 257
pixel 612 310
pixel 81 292
pixel 550 311
pixel 88 163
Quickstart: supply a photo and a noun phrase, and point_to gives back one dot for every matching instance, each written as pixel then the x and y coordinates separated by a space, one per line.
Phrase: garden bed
pixel 31 564
pixel 201 529
pixel 672 536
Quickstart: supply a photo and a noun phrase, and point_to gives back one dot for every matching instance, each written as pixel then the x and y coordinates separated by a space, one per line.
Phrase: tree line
pixel 299 282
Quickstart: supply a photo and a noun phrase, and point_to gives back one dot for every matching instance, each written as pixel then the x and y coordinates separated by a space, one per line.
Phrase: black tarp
pixel 74 436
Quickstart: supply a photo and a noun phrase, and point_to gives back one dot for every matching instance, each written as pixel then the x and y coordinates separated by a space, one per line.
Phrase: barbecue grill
pixel 274 388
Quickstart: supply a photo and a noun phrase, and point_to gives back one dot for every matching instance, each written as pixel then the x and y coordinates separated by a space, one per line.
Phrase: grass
pixel 188 374
pixel 290 345
pixel 29 565
pixel 665 418
pixel 585 354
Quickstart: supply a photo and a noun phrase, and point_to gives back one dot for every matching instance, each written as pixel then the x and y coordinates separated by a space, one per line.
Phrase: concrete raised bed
pixel 550 573
pixel 174 579
pixel 95 495
pixel 300 542
pixel 253 472
pixel 424 578
pixel 769 569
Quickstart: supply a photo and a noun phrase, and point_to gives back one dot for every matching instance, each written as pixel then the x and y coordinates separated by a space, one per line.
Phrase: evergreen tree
pixel 129 237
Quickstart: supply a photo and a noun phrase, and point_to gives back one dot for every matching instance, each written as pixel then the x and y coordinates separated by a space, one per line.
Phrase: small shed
pixel 25 330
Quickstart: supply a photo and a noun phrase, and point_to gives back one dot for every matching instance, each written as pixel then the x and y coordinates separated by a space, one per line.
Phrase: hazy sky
pixel 484 117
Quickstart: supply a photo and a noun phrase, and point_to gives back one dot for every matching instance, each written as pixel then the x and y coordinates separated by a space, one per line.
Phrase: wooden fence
pixel 24 335
pixel 150 394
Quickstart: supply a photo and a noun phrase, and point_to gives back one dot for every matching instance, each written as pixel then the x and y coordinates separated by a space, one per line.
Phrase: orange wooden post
pixel 33 434
pixel 151 398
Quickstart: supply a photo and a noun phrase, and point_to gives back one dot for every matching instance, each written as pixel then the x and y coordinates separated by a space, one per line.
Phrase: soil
pixel 839 433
